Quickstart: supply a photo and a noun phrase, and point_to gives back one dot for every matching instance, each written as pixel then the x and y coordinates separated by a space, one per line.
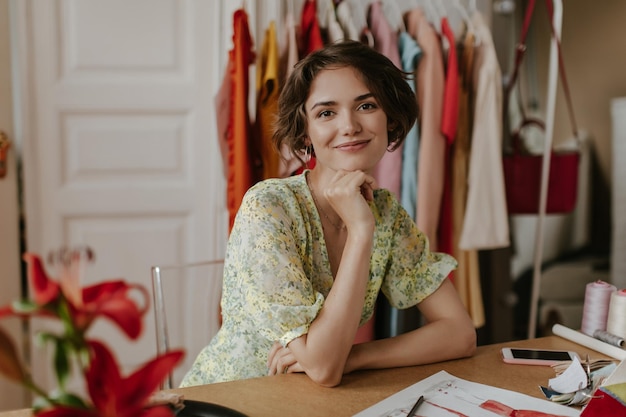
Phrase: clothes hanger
pixel 440 7
pixel 396 10
pixel 472 6
pixel 431 13
pixel 361 11
pixel 469 25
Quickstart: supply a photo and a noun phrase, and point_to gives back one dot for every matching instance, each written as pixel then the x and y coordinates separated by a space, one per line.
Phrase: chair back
pixel 187 315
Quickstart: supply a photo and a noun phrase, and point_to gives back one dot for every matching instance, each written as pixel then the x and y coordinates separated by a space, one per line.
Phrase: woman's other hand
pixel 281 361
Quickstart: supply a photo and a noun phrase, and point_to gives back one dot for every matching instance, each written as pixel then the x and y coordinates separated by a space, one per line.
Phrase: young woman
pixel 309 254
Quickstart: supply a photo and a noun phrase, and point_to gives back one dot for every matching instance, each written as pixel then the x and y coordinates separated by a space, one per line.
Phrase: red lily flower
pixel 111 394
pixel 108 299
pixel 117 396
pixel 44 290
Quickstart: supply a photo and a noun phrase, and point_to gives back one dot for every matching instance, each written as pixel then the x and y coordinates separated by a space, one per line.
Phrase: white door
pixel 119 138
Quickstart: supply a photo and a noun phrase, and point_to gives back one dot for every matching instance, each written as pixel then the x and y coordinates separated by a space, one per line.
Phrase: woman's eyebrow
pixel 364 97
pixel 332 103
pixel 322 104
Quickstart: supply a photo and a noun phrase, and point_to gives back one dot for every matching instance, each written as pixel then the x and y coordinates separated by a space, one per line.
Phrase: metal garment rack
pixel 553 78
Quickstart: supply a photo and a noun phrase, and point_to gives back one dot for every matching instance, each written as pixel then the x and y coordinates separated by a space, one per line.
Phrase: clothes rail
pixel 553 74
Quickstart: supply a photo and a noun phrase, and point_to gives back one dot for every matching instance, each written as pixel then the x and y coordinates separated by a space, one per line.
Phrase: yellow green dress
pixel 277 275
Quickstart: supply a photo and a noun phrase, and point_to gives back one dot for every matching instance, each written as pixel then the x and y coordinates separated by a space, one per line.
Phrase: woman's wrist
pixel 353 363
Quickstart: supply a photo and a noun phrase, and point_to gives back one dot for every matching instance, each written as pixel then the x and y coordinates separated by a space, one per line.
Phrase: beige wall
pixel 594 50
pixel 11 395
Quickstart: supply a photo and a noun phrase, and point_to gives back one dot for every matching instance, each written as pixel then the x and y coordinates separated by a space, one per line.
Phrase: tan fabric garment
pixel 486 224
pixel 267 102
pixel 346 20
pixel 289 57
pixel 430 88
pixel 467 275
pixel 334 31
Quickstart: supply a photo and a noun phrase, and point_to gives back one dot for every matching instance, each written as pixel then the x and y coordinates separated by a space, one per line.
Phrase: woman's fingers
pixel 281 360
pixel 270 356
pixel 351 180
pixel 368 187
pixel 348 193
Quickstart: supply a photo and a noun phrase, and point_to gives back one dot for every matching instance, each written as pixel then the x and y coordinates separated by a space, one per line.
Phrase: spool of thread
pixel 596 306
pixel 616 320
pixel 609 338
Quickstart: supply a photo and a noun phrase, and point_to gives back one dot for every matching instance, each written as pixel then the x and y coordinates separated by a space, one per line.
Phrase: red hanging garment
pixel 309 40
pixel 449 122
pixel 241 163
pixel 310 33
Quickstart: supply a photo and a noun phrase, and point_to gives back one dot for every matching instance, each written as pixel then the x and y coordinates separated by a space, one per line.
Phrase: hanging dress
pixel 410 53
pixel 267 102
pixel 430 87
pixel 288 163
pixel 310 36
pixel 485 225
pixel 449 120
pixel 389 169
pixel 241 164
pixel 345 18
pixel 467 275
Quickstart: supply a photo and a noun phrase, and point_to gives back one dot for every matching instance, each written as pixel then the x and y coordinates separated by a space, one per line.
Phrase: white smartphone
pixel 546 357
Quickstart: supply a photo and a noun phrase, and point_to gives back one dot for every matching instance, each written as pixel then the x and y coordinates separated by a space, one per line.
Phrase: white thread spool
pixel 596 308
pixel 616 320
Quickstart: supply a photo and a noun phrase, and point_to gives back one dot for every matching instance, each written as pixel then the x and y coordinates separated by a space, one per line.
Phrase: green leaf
pixel 61 362
pixel 73 400
pixel 42 338
pixel 40 403
pixel 24 306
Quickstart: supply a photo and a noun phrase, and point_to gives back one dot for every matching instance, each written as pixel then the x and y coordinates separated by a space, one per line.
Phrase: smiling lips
pixel 353 145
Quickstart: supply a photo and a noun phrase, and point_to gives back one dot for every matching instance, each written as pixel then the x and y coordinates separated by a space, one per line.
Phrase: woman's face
pixel 346 125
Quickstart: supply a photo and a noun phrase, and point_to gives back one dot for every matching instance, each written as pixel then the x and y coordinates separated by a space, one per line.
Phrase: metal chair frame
pixel 160 313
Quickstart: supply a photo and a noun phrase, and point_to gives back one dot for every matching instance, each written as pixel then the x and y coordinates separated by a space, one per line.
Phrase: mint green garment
pixel 410 52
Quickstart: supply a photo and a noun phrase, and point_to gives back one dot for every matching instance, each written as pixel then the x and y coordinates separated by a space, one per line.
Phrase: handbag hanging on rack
pixel 522 169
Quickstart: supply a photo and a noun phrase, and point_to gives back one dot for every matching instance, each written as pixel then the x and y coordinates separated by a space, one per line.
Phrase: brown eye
pixel 368 106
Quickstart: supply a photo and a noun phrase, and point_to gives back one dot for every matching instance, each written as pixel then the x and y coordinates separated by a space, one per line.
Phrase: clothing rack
pixel 553 74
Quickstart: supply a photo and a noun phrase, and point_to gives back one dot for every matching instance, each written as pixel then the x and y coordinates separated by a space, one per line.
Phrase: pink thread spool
pixel 596 307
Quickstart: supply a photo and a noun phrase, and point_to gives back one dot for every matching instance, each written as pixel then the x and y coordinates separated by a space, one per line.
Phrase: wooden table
pixel 295 395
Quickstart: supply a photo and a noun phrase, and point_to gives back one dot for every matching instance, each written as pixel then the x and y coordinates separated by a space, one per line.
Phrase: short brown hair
pixel 387 83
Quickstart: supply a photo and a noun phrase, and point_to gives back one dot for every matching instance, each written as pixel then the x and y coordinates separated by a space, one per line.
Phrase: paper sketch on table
pixel 448 396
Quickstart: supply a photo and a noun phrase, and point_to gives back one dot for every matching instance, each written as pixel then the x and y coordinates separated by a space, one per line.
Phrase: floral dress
pixel 277 275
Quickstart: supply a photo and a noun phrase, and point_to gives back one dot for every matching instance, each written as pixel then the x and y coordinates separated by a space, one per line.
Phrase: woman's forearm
pixel 323 351
pixel 434 342
pixel 448 334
